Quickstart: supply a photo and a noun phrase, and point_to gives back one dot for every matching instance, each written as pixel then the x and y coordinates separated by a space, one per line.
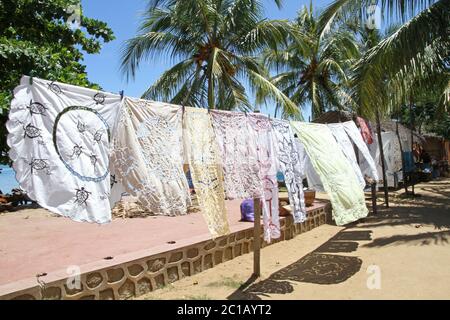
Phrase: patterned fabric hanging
pixel 290 165
pixel 353 133
pixel 261 128
pixel 206 169
pixel 59 137
pixel 147 156
pixel 338 131
pixel 365 130
pixel 238 153
pixel 336 173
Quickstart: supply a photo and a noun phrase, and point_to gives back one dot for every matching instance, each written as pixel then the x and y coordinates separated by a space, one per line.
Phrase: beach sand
pixel 402 253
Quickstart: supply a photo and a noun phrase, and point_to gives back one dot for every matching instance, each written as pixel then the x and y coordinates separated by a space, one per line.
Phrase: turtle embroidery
pixel 98 136
pixel 37 108
pixel 113 180
pixel 31 131
pixel 77 151
pixel 39 165
pixel 82 196
pixel 94 159
pixel 99 98
pixel 53 87
pixel 81 126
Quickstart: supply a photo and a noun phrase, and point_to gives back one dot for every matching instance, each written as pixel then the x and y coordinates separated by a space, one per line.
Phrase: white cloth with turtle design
pixel 59 137
pixel 147 157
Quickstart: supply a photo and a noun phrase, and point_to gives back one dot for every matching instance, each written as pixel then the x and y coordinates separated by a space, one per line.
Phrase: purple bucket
pixel 247 210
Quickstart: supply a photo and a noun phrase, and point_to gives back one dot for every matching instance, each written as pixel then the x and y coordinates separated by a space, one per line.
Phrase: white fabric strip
pixel 354 134
pixel 260 127
pixel 289 164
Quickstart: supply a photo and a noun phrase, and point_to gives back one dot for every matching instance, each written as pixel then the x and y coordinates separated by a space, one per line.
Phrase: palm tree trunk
pixel 211 102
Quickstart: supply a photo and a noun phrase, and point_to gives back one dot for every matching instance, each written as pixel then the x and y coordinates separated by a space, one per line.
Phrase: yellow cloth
pixel 338 178
pixel 206 170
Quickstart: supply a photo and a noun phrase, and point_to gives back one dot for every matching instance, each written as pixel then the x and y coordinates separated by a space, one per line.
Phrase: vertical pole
pixel 257 237
pixel 383 166
pixel 411 117
pixel 403 160
pixel 373 188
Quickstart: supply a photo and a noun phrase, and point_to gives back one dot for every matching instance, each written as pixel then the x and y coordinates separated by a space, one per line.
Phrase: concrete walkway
pixel 403 253
pixel 34 241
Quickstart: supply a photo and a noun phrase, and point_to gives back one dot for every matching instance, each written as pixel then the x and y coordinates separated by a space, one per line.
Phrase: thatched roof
pixel 334 117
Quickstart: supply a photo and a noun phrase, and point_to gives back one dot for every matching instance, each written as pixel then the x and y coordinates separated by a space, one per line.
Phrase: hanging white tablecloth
pixel 354 134
pixel 291 166
pixel 238 153
pixel 347 147
pixel 59 137
pixel 335 171
pixel 147 156
pixel 261 128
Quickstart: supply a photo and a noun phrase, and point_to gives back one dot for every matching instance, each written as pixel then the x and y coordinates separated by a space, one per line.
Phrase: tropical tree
pixel 416 54
pixel 312 70
pixel 215 44
pixel 35 40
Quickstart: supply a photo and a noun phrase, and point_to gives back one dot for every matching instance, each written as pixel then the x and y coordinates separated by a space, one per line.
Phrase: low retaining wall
pixel 133 278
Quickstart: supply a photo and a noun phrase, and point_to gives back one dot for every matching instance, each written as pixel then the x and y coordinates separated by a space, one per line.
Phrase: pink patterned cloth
pixel 364 127
pixel 238 152
pixel 261 128
pixel 249 162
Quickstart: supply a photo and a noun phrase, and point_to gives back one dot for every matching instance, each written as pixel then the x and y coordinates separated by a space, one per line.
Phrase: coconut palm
pixel 416 54
pixel 214 44
pixel 313 70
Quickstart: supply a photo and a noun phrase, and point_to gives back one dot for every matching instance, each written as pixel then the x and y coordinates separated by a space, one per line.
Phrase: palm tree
pixel 416 54
pixel 312 69
pixel 215 43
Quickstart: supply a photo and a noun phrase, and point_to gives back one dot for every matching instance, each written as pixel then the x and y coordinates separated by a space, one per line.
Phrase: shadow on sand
pixel 316 267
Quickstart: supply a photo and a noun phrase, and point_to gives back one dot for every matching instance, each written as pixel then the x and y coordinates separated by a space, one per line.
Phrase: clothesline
pixel 77 150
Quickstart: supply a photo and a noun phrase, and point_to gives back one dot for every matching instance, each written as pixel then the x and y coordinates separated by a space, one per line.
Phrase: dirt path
pixel 403 253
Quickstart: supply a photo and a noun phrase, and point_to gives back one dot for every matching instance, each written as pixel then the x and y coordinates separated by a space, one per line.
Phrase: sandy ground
pixel 402 253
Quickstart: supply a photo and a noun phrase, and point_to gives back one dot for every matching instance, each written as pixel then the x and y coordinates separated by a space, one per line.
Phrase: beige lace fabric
pixel 239 155
pixel 206 170
pixel 147 156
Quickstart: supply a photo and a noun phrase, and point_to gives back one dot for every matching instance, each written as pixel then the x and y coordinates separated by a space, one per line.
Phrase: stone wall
pixel 140 276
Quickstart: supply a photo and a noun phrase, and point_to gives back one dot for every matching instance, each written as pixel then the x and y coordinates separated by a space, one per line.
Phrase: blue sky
pixel 123 18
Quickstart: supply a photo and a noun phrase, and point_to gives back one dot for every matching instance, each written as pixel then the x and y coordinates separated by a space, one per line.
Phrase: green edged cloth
pixel 338 178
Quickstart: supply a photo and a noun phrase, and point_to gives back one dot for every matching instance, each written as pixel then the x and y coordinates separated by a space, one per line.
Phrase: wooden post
pixel 411 117
pixel 257 238
pixel 403 160
pixel 373 188
pixel 383 167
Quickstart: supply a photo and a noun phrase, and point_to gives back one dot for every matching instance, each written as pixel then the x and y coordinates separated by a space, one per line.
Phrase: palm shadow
pixel 318 266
